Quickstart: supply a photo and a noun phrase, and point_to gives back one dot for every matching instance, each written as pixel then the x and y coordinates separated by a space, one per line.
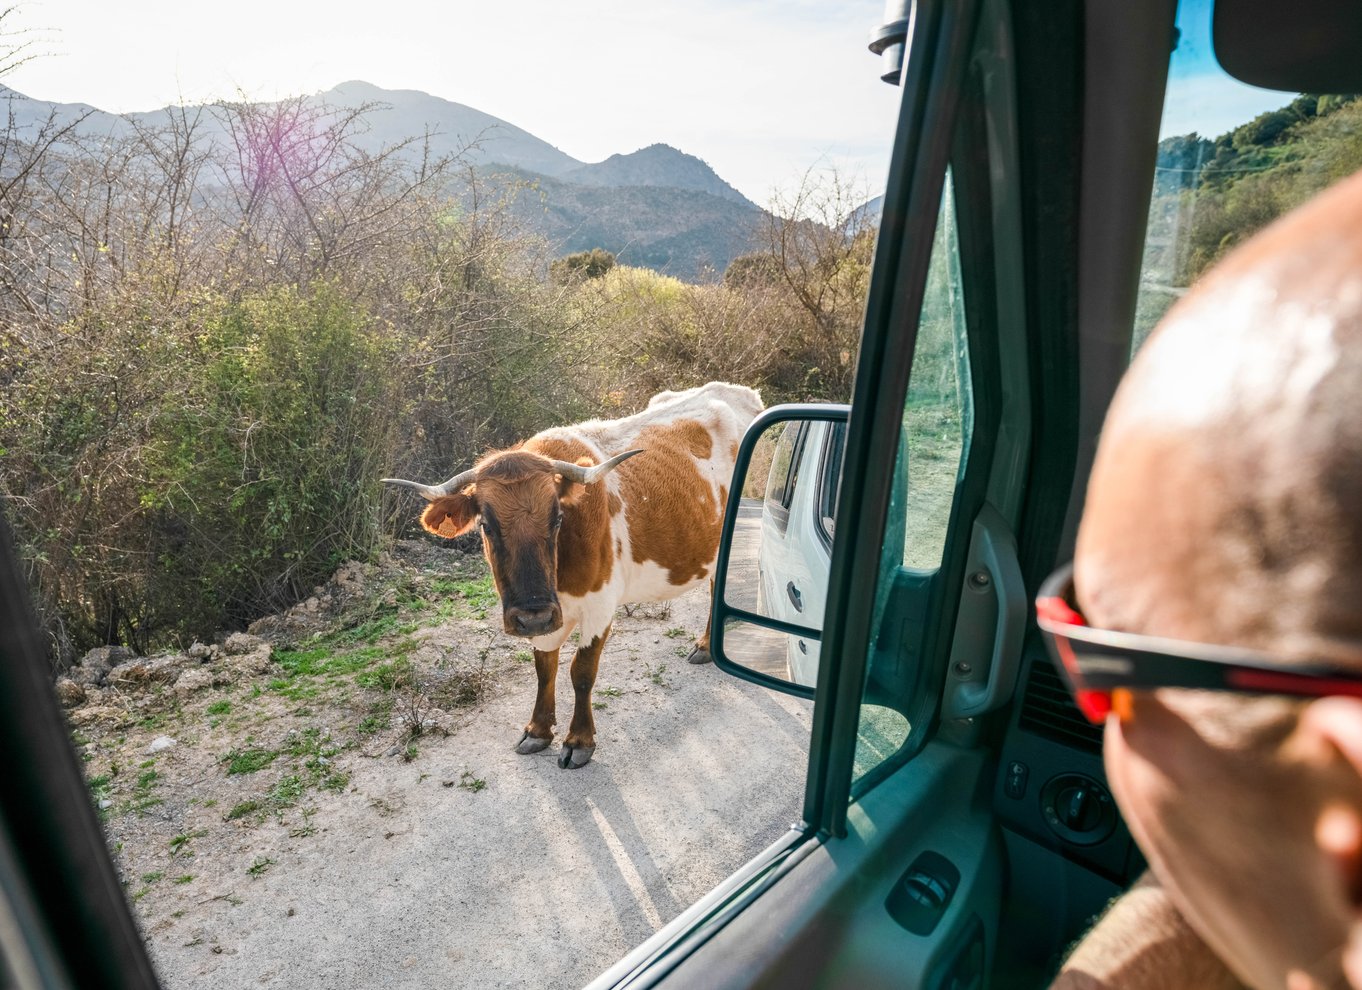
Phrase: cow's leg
pixel 701 652
pixel 580 742
pixel 539 731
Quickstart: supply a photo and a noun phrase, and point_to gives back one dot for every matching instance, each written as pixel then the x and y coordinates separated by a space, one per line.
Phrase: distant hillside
pixel 683 232
pixel 403 113
pixel 657 165
pixel 868 214
pixel 656 207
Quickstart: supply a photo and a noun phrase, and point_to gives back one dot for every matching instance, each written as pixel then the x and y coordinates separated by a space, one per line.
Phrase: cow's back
pixel 668 501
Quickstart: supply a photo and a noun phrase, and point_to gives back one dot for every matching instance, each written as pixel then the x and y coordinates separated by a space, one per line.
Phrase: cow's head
pixel 519 497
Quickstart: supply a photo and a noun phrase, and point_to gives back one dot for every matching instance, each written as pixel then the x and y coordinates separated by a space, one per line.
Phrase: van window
pixel 938 418
pixel 1231 159
pixel 784 474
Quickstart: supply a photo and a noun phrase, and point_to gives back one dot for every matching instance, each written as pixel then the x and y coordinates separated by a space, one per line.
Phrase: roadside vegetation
pixel 1211 194
pixel 219 334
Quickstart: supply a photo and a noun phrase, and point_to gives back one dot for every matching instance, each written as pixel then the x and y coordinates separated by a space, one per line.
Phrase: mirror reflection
pixel 782 546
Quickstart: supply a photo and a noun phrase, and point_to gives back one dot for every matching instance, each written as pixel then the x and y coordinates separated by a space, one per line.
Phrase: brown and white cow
pixel 579 519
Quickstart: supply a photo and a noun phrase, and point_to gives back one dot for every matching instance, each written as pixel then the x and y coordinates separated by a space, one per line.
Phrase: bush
pixel 181 478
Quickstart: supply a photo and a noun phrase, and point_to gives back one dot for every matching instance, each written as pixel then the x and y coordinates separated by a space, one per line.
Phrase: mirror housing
pixel 727 617
pixel 1310 46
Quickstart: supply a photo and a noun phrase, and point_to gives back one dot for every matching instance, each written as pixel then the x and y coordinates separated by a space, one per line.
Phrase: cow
pixel 578 520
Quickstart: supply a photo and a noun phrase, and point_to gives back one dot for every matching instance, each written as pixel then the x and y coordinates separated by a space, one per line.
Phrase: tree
pixel 581 266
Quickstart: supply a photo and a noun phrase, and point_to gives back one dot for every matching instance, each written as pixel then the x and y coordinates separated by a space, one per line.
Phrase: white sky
pixel 761 90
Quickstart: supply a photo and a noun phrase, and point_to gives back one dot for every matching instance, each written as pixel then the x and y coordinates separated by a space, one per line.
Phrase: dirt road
pixel 471 866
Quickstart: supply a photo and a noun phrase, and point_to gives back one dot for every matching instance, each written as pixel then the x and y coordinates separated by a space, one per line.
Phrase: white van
pixel 796 534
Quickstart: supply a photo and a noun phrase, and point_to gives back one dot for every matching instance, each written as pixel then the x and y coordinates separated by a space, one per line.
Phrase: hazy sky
pixel 759 89
pixel 1201 97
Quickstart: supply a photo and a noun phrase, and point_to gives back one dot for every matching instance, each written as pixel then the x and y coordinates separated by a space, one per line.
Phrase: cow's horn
pixel 594 473
pixel 432 492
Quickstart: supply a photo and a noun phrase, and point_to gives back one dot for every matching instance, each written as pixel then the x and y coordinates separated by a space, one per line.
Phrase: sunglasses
pixel 1097 662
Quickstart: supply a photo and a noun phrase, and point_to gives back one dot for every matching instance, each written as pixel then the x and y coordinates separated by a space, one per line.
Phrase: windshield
pixel 458 729
pixel 1232 158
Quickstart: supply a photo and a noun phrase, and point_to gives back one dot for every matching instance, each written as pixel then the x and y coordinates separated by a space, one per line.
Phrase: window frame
pixel 942 41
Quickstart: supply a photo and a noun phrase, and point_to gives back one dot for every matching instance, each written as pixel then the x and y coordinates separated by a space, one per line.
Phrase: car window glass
pixel 779 480
pixel 830 480
pixel 933 440
pixel 1231 159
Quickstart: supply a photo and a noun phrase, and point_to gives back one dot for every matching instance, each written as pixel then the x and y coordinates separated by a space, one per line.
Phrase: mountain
pixel 399 114
pixel 683 232
pixel 657 165
pixel 868 214
pixel 657 207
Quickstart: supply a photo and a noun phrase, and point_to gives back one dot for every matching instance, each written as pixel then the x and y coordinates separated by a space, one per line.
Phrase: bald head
pixel 1225 503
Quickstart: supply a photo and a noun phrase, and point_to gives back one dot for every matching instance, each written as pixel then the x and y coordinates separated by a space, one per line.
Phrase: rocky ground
pixel 331 799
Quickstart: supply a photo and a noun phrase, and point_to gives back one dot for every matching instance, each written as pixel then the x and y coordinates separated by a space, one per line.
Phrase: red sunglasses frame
pixel 1096 662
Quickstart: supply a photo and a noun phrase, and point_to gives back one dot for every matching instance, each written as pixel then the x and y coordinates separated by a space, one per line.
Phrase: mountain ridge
pixel 656 205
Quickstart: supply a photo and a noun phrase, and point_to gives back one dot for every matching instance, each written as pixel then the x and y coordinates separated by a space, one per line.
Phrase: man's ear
pixel 1338 723
pixel 571 492
pixel 451 515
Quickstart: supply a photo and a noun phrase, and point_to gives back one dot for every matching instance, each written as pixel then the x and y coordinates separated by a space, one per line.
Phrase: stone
pixel 160 744
pixel 240 643
pixel 94 667
pixel 194 680
pixel 69 693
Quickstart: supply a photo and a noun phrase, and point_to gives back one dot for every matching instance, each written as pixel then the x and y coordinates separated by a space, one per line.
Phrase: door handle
pixel 796 599
pixel 986 650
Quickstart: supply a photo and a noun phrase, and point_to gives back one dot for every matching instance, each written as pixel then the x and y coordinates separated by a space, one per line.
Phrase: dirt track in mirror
pixel 334 800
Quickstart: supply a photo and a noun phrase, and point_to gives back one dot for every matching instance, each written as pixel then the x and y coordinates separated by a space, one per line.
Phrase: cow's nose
pixel 531 621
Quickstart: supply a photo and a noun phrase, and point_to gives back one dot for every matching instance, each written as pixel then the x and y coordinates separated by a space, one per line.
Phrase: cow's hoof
pixel 531 744
pixel 575 757
pixel 698 655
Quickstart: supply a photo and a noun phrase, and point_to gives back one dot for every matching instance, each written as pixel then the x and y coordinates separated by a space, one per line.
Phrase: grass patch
pixel 261 864
pixel 223 707
pixel 286 793
pixel 249 760
pixel 676 632
pixel 372 724
pixel 186 878
pixel 152 877
pixel 468 782
pixel 242 810
pixel 179 844
pixel 392 676
pixel 610 692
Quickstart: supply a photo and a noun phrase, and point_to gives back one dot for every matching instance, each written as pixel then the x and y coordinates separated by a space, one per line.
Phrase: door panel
pixel 827 925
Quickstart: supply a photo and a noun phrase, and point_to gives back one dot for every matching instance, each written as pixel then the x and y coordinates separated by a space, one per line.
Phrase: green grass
pixel 468 782
pixel 261 864
pixel 387 676
pixel 184 879
pixel 371 724
pixel 223 707
pixel 249 760
pixel 152 877
pixel 610 692
pixel 242 810
pixel 286 793
pixel 676 632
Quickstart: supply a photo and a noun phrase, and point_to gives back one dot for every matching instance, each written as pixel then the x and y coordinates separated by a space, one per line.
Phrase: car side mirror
pixel 771 576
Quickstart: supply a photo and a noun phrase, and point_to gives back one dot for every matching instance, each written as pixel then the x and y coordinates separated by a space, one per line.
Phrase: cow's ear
pixel 451 515
pixel 571 492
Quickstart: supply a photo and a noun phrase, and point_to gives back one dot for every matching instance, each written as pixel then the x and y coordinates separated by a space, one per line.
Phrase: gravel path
pixel 471 866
